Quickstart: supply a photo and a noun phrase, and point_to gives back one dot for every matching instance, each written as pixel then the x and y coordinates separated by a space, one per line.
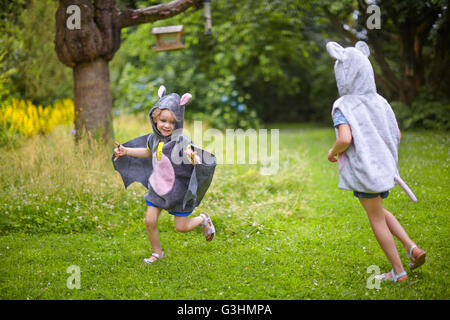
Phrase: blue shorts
pixel 383 194
pixel 178 214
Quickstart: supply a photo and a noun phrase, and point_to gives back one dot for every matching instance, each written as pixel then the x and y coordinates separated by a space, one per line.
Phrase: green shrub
pixel 137 72
pixel 427 111
pixel 29 67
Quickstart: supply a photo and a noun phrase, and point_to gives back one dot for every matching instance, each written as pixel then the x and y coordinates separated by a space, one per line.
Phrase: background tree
pixel 410 54
pixel 89 49
pixel 272 64
pixel 264 62
pixel 28 62
pixel 411 49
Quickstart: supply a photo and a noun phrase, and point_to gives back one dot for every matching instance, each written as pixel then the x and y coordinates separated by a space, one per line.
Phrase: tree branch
pixel 162 11
pixel 387 77
pixel 337 22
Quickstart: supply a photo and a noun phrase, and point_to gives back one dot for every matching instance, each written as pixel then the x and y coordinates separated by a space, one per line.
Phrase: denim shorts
pixel 178 214
pixel 383 194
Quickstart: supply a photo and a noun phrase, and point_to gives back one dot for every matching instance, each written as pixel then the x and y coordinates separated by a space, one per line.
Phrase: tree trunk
pixel 412 28
pixel 410 64
pixel 93 102
pixel 87 50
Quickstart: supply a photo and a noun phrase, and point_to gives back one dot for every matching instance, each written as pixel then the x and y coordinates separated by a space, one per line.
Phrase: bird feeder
pixel 168 38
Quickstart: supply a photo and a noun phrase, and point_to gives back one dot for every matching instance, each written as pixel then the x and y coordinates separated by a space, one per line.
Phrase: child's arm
pixel 343 141
pixel 133 152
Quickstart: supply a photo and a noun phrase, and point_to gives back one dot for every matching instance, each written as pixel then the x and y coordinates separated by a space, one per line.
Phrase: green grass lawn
pixel 292 235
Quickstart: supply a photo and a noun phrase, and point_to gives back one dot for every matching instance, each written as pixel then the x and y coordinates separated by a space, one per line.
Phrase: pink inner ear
pixel 185 98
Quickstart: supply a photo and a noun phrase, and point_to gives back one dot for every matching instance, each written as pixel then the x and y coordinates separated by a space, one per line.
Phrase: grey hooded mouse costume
pixel 173 183
pixel 370 164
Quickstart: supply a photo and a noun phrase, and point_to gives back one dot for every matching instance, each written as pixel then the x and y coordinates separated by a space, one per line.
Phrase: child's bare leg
pixel 397 230
pixel 377 218
pixel 151 225
pixel 185 224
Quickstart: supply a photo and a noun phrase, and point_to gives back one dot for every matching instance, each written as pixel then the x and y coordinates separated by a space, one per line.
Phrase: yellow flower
pixel 27 119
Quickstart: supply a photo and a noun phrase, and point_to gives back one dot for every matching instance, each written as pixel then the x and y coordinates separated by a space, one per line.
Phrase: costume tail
pixel 405 187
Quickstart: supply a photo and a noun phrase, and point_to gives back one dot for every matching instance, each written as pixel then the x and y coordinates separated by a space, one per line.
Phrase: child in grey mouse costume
pixel 367 140
pixel 176 173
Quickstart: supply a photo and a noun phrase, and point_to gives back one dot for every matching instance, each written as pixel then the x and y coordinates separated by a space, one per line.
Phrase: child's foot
pixel 391 276
pixel 154 257
pixel 208 227
pixel 417 257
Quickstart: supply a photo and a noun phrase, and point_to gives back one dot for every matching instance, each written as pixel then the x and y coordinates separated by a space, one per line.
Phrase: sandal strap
pixel 158 256
pixel 395 277
pixel 380 277
pixel 409 253
pixel 208 223
pixel 206 220
pixel 210 230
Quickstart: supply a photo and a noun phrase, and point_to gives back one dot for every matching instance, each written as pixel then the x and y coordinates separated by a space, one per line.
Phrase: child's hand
pixel 192 155
pixel 119 151
pixel 332 156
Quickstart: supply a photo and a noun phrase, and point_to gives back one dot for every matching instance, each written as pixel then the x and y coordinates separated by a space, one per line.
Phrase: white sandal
pixel 211 231
pixel 418 260
pixel 394 277
pixel 156 255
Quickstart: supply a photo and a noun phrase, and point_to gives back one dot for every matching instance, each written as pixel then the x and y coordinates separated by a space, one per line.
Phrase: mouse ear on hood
pixel 335 50
pixel 363 47
pixel 185 99
pixel 161 91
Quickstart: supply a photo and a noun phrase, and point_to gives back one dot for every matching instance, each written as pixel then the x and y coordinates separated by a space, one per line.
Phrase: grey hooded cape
pixel 370 164
pixel 173 183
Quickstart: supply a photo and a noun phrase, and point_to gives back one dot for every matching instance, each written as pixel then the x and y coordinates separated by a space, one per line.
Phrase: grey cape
pixel 173 183
pixel 370 164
